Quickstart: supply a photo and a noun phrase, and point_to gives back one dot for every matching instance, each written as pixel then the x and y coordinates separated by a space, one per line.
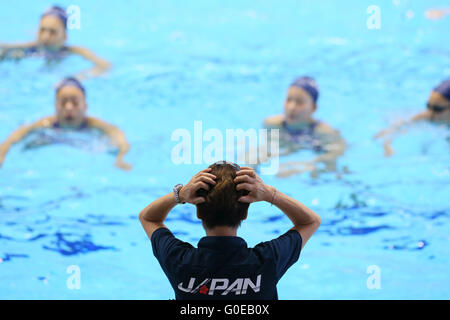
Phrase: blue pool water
pixel 229 64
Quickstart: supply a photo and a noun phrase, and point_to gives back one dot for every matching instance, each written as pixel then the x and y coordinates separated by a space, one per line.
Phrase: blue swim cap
pixel 70 82
pixel 444 89
pixel 309 85
pixel 58 12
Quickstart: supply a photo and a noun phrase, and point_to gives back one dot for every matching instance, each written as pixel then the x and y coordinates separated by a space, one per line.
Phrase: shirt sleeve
pixel 285 250
pixel 167 247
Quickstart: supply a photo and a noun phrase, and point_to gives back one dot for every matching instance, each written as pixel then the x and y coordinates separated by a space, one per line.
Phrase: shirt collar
pixel 222 242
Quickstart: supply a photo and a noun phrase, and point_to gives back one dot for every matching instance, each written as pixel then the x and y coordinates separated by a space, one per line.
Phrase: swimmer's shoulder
pixel 81 51
pixel 27 128
pixel 323 128
pixel 46 122
pixel 88 54
pixel 274 122
pixel 76 49
pixel 93 122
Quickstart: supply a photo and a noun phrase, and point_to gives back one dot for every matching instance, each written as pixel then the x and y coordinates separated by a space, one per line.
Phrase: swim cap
pixel 58 12
pixel 70 82
pixel 444 89
pixel 309 85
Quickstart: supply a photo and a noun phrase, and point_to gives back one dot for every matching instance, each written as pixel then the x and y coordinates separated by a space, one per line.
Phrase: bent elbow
pixel 319 220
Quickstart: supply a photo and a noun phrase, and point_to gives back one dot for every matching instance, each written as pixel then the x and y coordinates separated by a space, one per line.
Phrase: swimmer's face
pixel 51 32
pixel 70 106
pixel 299 106
pixel 439 107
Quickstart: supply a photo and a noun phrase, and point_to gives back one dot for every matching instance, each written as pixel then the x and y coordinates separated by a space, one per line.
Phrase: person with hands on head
pixel 223 266
pixel 70 115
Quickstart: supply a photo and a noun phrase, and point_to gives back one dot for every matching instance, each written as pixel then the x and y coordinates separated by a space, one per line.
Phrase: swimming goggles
pixel 436 108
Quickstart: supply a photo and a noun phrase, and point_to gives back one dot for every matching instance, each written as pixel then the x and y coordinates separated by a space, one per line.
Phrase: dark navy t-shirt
pixel 224 267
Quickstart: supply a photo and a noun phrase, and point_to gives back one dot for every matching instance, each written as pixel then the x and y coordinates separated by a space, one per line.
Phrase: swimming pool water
pixel 229 64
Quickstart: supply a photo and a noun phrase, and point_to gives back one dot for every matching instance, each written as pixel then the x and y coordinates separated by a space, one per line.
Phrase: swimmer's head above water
pixel 439 102
pixel 70 103
pixel 222 208
pixel 52 28
pixel 301 100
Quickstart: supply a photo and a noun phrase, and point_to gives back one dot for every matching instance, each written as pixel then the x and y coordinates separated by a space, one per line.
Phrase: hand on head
pixel 188 193
pixel 247 179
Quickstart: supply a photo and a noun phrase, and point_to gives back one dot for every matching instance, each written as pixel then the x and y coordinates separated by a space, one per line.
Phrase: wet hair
pixel 70 81
pixel 222 207
pixel 58 12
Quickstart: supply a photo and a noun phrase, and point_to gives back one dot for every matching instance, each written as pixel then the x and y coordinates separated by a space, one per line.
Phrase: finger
pixel 247 168
pixel 245 186
pixel 205 174
pixel 240 179
pixel 201 185
pixel 198 200
pixel 206 180
pixel 250 173
pixel 202 171
pixel 246 199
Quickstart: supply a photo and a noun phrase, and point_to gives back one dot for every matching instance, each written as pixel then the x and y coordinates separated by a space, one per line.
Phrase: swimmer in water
pixel 437 112
pixel 51 44
pixel 299 130
pixel 70 114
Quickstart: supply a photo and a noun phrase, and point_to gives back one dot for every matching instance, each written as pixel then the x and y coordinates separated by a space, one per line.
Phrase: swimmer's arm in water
pixel 100 65
pixel 388 134
pixel 274 122
pixel 117 137
pixel 21 133
pixel 16 51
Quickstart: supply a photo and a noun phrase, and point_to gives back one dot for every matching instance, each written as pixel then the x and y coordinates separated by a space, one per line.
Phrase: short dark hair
pixel 222 207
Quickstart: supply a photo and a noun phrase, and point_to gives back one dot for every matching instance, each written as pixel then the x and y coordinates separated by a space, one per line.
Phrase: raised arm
pixel 21 133
pixel 305 221
pixel 117 137
pixel 100 65
pixel 153 216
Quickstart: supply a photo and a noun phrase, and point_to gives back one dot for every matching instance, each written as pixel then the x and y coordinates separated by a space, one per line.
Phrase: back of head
pixel 222 207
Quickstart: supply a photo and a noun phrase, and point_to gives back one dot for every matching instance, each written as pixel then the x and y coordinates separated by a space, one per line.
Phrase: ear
pixel 245 215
